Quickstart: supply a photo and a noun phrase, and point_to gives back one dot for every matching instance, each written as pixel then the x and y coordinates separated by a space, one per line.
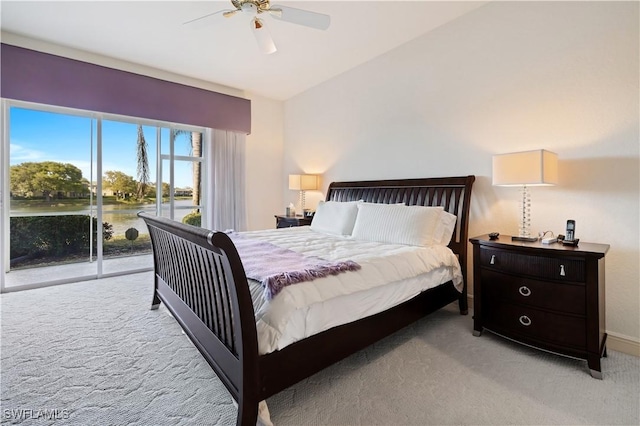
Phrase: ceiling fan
pixel 255 8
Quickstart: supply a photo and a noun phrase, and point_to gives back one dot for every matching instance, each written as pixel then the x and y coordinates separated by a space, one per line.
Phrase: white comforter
pixel 390 275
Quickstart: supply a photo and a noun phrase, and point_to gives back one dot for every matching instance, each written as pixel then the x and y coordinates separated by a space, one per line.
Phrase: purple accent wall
pixel 32 76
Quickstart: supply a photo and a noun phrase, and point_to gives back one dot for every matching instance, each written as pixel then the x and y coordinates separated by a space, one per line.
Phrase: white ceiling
pixel 151 33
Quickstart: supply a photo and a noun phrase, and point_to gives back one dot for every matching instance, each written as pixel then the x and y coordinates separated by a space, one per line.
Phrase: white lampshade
pixel 303 182
pixel 531 168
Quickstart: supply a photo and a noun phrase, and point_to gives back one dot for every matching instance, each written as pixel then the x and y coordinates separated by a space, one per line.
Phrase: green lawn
pixel 120 245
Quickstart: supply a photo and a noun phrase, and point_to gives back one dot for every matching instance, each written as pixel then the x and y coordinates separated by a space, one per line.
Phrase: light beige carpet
pixel 94 352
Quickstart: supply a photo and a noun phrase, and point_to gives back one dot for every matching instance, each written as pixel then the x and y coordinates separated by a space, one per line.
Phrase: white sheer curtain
pixel 226 181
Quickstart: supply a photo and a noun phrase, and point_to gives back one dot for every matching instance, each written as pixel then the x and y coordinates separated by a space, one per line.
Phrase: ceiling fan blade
pixel 263 37
pixel 307 18
pixel 230 13
pixel 207 20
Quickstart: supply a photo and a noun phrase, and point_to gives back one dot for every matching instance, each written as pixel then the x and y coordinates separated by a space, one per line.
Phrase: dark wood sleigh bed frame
pixel 201 280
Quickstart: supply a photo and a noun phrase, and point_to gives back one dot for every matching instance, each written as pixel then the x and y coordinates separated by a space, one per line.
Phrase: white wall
pixel 264 163
pixel 507 77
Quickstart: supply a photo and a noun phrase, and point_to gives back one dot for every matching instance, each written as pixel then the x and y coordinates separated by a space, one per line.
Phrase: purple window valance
pixel 33 76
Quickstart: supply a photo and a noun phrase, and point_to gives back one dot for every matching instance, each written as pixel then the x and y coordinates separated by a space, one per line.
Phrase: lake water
pixel 121 216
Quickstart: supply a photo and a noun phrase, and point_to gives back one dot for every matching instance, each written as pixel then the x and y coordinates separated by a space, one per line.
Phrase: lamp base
pixel 527 239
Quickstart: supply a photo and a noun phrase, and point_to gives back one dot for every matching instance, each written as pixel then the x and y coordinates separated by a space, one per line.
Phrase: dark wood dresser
pixel 547 296
pixel 289 221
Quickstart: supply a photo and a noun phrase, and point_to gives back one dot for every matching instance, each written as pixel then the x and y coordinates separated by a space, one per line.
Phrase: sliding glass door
pixel 128 170
pixel 51 212
pixel 75 182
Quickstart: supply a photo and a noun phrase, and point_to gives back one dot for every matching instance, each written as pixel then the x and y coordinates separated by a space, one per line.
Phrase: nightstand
pixel 547 296
pixel 289 221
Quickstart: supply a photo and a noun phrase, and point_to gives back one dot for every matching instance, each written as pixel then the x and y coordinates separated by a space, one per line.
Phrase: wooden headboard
pixel 452 193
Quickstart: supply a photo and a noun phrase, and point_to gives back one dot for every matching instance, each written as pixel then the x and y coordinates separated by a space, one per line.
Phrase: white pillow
pixel 398 224
pixel 335 217
pixel 444 229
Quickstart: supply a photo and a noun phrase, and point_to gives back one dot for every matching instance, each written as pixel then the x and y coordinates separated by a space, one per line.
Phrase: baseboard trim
pixel 621 344
pixel 615 342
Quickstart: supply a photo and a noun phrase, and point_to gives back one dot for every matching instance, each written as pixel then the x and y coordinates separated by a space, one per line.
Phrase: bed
pixel 200 278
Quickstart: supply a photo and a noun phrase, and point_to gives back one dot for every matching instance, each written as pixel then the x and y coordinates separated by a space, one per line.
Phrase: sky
pixel 37 136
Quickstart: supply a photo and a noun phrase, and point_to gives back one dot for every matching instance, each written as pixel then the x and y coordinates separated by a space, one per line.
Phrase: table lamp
pixel 523 169
pixel 303 183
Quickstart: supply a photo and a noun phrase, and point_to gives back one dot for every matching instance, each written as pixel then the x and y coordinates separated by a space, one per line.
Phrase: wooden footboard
pixel 200 279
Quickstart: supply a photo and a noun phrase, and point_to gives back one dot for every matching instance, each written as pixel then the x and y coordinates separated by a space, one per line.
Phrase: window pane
pixel 49 189
pixel 128 185
pixel 183 196
pixel 186 143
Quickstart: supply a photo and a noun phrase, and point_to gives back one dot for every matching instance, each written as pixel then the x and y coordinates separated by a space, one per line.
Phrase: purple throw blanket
pixel 276 267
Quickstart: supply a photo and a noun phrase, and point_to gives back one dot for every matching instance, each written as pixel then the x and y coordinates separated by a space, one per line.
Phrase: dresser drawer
pixel 286 222
pixel 557 296
pixel 290 221
pixel 555 268
pixel 512 319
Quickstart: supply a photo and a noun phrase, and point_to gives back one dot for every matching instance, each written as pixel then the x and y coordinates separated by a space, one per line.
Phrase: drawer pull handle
pixel 525 320
pixel 562 274
pixel 493 259
pixel 525 291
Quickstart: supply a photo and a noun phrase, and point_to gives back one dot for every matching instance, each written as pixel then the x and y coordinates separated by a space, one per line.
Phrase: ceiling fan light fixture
pixel 253 8
pixel 249 7
pixel 261 33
